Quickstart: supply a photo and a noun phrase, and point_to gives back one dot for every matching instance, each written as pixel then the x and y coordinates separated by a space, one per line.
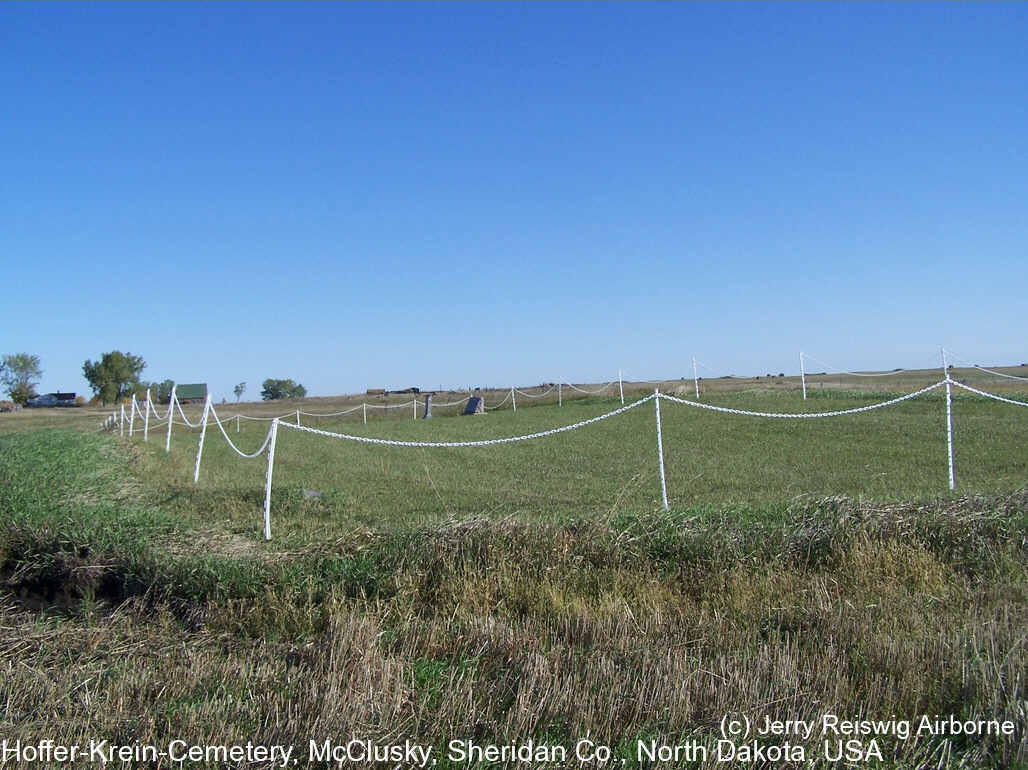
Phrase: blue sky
pixel 383 195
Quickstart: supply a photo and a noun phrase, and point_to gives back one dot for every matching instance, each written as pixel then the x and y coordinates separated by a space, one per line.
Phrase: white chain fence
pixel 804 356
pixel 174 404
pixel 983 369
pixel 182 414
pixel 590 392
pixel 482 442
pixel 118 420
pixel 331 414
pixel 801 415
pixel 153 409
pixel 535 395
pixel 461 402
pixel 505 400
pixel 236 449
pixel 264 419
pixel 989 395
pixel 149 409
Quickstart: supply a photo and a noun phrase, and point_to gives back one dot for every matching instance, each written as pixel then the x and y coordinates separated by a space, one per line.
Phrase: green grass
pixel 527 591
pixel 714 462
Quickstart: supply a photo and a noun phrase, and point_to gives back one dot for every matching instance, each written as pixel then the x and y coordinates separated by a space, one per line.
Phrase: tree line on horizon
pixel 116 376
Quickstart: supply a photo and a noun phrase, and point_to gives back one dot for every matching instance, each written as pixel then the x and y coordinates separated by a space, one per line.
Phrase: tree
pixel 19 374
pixel 142 386
pixel 163 391
pixel 160 392
pixel 114 376
pixel 239 390
pixel 276 389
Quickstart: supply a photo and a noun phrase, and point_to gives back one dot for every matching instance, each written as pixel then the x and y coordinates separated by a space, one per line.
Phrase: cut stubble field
pixel 525 591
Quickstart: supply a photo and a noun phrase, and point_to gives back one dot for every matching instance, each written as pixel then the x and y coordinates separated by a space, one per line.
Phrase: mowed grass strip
pixel 714 462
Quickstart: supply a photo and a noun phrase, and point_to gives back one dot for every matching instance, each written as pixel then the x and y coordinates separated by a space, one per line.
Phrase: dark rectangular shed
pixel 195 392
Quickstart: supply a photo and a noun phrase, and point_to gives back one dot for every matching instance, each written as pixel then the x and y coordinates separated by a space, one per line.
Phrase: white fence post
pixel 171 417
pixel 949 420
pixel 560 396
pixel 203 433
pixel 803 377
pixel 121 422
pixel 297 418
pixel 237 423
pixel 512 399
pixel 414 409
pixel 695 380
pixel 267 480
pixel 621 388
pixel 660 450
pixel 146 417
pixel 364 408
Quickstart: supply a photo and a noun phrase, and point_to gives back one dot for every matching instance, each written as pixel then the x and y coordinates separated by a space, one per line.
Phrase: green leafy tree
pixel 239 390
pixel 19 374
pixel 160 392
pixel 276 389
pixel 114 376
pixel 163 392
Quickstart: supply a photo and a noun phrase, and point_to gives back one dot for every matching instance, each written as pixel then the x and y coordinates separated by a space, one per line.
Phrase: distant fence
pixel 144 408
pixel 119 421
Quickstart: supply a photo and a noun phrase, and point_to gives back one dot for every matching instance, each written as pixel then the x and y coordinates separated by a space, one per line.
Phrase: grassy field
pixel 527 591
pixel 713 462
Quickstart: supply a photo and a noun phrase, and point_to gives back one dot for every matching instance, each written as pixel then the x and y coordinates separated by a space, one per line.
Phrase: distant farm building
pixel 191 394
pixel 52 399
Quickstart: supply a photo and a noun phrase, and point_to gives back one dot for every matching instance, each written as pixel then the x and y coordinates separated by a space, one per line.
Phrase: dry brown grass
pixel 502 631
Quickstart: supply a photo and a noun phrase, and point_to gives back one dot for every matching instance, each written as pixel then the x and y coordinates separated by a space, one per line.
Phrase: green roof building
pixel 197 392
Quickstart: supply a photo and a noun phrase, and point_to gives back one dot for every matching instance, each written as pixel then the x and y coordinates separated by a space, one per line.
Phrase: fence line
pixel 836 370
pixel 800 415
pixel 149 409
pixel 983 369
pixel 331 414
pixel 117 421
pixel 145 411
pixel 479 443
pixel 989 395
pixel 237 450
pixel 394 406
pixel 535 395
pixel 591 392
pixel 505 400
pixel 175 404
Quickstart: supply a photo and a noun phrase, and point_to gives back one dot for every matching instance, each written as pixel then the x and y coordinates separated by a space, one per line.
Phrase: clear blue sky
pixel 430 194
